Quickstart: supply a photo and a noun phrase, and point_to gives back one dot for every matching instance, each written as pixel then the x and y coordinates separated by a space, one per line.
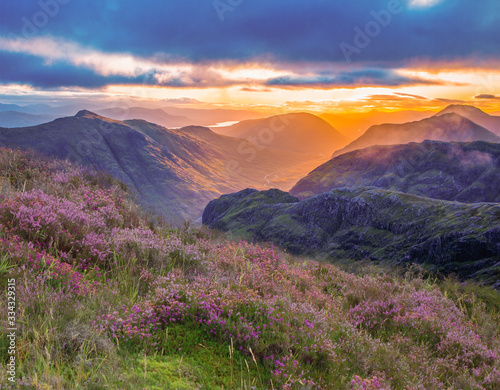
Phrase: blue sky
pixel 252 45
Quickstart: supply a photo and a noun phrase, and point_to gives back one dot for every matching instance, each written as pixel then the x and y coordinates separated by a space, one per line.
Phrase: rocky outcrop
pixel 369 223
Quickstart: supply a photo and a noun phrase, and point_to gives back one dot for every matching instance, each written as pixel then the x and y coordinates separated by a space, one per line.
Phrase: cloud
pixel 424 3
pixel 486 96
pixel 181 101
pixel 404 101
pixel 287 30
pixel 450 101
pixel 51 58
pixel 251 89
pixel 259 44
pixel 366 77
pixel 60 54
pixel 411 95
pixel 27 69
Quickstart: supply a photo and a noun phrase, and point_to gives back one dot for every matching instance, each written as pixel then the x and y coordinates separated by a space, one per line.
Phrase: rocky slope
pixel 466 172
pixel 446 127
pixel 175 171
pixel 369 223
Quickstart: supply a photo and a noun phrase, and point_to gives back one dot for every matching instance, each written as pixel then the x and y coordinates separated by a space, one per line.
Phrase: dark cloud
pixel 27 69
pixel 288 30
pixel 367 77
pixel 33 70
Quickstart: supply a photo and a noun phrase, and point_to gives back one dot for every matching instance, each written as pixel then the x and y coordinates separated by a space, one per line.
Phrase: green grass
pixel 309 309
pixel 189 359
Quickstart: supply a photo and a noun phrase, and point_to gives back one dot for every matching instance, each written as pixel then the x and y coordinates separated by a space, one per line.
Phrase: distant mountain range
pixel 213 116
pixel 466 172
pixel 175 171
pixel 22 119
pixel 368 223
pixel 444 127
pixel 168 116
pixel 29 108
pixel 157 116
pixel 299 132
pixel 354 125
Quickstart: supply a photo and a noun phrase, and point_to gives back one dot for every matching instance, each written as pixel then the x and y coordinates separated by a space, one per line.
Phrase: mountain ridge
pixel 466 172
pixel 299 132
pixel 174 171
pixel 476 115
pixel 446 127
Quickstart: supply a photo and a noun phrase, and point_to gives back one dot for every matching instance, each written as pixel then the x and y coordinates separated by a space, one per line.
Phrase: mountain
pixel 465 172
pixel 301 132
pixel 157 116
pixel 355 124
pixel 22 119
pixel 490 122
pixel 175 171
pixel 446 127
pixel 10 107
pixel 29 109
pixel 368 223
pixel 213 116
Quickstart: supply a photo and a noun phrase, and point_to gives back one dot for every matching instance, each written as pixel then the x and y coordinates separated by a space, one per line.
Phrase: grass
pixel 110 297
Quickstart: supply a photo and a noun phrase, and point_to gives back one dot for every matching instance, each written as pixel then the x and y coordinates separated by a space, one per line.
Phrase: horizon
pixel 270 58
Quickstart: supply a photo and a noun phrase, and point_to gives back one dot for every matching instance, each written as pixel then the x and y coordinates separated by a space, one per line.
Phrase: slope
pixel 156 115
pixel 368 223
pixel 355 124
pixel 446 127
pixel 301 132
pixel 476 115
pixel 466 172
pixel 175 171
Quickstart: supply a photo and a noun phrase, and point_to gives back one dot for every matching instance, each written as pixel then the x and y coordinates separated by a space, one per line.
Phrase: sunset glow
pixel 350 61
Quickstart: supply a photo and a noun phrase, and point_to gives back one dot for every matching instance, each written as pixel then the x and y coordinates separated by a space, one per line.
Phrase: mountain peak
pixel 460 109
pixel 87 114
pixel 474 114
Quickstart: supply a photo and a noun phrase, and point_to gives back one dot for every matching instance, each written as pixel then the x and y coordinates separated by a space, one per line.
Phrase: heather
pixel 109 296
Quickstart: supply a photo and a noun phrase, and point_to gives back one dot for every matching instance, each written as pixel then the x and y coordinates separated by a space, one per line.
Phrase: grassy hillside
pixel 108 297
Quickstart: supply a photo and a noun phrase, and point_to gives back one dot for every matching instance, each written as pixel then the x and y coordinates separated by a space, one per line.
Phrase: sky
pixel 320 55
